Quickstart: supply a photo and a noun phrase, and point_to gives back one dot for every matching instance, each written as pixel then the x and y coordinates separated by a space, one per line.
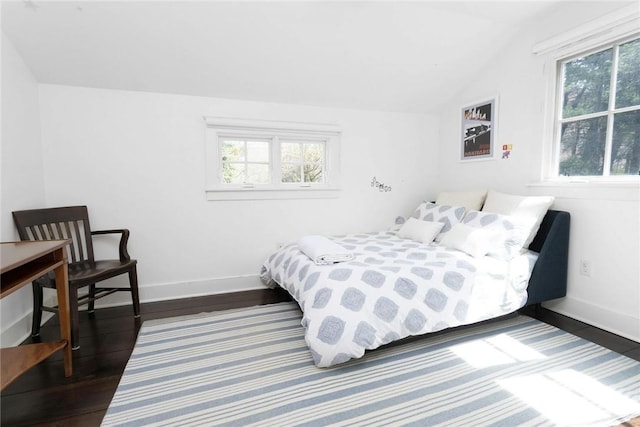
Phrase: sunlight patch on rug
pixel 585 401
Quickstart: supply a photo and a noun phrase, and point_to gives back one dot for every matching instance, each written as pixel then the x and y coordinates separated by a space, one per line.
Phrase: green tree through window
pixel 600 123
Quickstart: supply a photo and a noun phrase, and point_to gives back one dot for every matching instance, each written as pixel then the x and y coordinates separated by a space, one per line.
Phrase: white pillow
pixel 511 231
pixel 448 215
pixel 519 206
pixel 471 200
pixel 420 231
pixel 473 241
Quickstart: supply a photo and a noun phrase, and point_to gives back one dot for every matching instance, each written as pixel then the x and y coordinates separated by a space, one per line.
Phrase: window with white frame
pixel 598 125
pixel 259 159
pixel 593 131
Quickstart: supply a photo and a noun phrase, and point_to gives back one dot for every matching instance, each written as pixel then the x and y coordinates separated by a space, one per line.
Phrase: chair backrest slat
pixel 71 249
pixel 58 223
pixel 36 234
pixel 49 230
pixel 55 227
pixel 79 243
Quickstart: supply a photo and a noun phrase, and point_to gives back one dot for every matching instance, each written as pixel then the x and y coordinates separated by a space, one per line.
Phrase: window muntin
pixel 600 100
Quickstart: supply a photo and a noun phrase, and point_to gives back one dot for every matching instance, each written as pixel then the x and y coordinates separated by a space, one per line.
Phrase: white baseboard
pixel 625 325
pixel 178 290
pixel 618 323
pixel 20 330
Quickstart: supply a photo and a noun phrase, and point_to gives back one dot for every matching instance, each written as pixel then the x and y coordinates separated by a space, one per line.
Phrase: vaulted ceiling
pixel 389 56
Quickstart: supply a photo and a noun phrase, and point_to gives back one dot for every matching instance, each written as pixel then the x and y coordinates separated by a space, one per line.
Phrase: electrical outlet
pixel 585 268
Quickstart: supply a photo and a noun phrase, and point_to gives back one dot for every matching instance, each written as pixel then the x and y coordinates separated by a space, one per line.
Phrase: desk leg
pixel 62 288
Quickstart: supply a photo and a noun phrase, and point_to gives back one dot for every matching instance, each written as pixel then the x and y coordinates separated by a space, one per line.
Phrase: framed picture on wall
pixel 478 128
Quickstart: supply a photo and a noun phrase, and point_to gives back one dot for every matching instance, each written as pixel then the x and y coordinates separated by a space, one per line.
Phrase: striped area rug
pixel 252 367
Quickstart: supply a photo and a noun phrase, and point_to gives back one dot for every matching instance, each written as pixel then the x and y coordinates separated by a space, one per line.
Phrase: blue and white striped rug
pixel 252 367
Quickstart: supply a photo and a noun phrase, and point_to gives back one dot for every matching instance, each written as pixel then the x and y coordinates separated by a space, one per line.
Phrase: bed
pixel 395 287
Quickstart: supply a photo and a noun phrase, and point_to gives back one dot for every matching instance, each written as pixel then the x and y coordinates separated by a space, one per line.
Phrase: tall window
pixel 598 125
pixel 259 159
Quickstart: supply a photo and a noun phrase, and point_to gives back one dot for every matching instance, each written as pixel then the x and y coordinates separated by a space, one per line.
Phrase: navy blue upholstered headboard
pixel 549 277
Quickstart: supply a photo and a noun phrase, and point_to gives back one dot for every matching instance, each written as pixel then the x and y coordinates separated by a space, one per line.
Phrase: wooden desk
pixel 21 263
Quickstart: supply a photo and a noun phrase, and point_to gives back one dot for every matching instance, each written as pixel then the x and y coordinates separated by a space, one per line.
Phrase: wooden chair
pixel 73 223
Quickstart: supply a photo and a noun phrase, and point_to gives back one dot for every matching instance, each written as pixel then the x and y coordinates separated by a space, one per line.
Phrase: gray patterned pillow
pixel 512 232
pixel 400 220
pixel 448 215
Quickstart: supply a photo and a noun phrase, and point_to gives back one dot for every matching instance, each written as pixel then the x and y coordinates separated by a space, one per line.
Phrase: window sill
pixel 272 194
pixel 590 189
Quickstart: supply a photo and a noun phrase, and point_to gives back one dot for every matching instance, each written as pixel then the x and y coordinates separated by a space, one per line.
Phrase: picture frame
pixel 478 130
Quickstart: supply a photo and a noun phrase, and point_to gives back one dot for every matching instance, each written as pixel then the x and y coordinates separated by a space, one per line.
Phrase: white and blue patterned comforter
pixel 392 289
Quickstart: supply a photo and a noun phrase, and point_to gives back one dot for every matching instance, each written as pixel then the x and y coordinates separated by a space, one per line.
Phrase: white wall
pixel 21 173
pixel 605 221
pixel 137 160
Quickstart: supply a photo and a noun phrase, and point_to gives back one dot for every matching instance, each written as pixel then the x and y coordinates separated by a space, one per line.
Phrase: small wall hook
pixel 381 187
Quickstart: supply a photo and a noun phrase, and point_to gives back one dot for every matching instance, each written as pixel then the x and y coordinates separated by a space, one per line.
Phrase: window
pixel 258 159
pixel 598 128
pixel 591 132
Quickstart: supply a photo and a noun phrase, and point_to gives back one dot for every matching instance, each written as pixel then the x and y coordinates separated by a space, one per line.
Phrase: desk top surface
pixel 15 254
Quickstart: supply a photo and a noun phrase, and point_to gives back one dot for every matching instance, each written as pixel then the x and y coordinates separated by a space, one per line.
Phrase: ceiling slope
pixel 387 56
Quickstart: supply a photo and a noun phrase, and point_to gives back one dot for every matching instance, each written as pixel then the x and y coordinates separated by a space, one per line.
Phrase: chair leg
pixel 133 282
pixel 75 318
pixel 37 309
pixel 92 295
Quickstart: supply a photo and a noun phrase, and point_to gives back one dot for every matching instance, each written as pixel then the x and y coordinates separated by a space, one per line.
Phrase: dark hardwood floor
pixel 44 397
